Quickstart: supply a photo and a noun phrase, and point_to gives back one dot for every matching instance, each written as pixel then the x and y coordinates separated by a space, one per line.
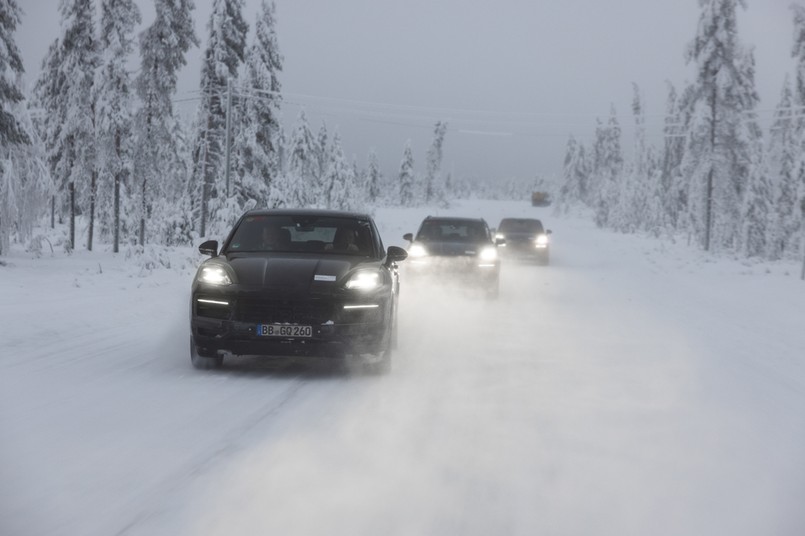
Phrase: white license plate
pixel 283 330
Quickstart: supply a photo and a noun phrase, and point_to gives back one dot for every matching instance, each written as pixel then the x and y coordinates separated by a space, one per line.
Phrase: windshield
pixel 303 234
pixel 520 226
pixel 452 231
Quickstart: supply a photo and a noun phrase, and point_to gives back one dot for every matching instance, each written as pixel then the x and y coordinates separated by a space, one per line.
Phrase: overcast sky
pixel 512 77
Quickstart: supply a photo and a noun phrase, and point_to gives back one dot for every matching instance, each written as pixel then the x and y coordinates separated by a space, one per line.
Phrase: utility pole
pixel 228 129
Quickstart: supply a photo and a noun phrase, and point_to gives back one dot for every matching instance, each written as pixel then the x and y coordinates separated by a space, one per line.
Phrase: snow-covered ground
pixel 632 387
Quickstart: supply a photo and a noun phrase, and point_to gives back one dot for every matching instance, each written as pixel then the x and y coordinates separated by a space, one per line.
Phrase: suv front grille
pixel 282 311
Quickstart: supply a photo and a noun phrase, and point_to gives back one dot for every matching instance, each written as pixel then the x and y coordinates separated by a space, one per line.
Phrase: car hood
pixel 454 249
pixel 290 273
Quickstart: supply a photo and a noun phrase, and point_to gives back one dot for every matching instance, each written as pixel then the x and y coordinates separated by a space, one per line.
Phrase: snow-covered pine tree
pixel 48 96
pixel 78 62
pixel 114 98
pixel 159 167
pixel 256 143
pixel 374 179
pixel 798 53
pixel 434 190
pixel 782 165
pixel 10 70
pixel 631 211
pixel 322 155
pixel 647 200
pixel 607 168
pixel 672 154
pixel 573 177
pixel 407 179
pixel 12 134
pixel 756 209
pixel 225 52
pixel 24 176
pixel 340 192
pixel 303 165
pixel 720 139
pixel 360 185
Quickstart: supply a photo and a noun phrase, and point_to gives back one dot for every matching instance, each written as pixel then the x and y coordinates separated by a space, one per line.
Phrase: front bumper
pixel 524 251
pixel 460 269
pixel 336 331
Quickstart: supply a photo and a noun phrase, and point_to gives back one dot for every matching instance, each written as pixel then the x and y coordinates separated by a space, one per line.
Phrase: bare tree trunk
pixel 143 209
pixel 708 217
pixel 205 187
pixel 92 193
pixel 116 241
pixel 72 215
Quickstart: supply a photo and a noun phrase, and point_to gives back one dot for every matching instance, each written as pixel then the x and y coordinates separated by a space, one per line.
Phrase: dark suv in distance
pixel 447 249
pixel 296 283
pixel 526 239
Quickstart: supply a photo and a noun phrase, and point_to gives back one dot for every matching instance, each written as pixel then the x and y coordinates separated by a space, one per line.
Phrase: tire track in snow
pixel 203 463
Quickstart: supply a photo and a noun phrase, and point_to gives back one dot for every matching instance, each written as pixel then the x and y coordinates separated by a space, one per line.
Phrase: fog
pixel 630 387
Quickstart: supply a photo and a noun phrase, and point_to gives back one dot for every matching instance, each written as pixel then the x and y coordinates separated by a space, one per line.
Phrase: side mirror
pixel 548 231
pixel 409 237
pixel 210 247
pixel 395 254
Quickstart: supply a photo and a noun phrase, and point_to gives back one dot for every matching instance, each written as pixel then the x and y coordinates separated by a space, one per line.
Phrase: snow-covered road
pixel 631 387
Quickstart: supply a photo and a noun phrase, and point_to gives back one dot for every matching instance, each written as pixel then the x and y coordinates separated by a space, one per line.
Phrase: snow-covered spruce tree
pixel 574 176
pixel 756 209
pixel 607 168
pixel 720 141
pixel 78 62
pixel 798 52
pixel 782 166
pixel 303 165
pixel 434 190
pixel 114 98
pixel 672 191
pixel 322 155
pixel 24 176
pixel 645 200
pixel 11 132
pixel 757 193
pixel 340 192
pixel 406 179
pixel 225 52
pixel 48 93
pixel 374 179
pixel 10 69
pixel 159 180
pixel 360 183
pixel 256 142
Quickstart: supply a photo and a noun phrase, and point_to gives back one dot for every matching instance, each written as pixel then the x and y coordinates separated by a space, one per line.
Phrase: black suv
pixel 525 238
pixel 296 283
pixel 455 249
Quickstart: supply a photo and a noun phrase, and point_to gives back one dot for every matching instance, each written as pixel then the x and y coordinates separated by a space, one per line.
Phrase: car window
pixel 304 234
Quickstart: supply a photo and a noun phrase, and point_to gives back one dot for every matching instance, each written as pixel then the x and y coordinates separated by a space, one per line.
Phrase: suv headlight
pixel 417 251
pixel 364 280
pixel 214 275
pixel 541 241
pixel 488 254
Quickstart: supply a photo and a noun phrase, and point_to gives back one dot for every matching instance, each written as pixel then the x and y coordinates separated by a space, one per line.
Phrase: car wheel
pixel 204 362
